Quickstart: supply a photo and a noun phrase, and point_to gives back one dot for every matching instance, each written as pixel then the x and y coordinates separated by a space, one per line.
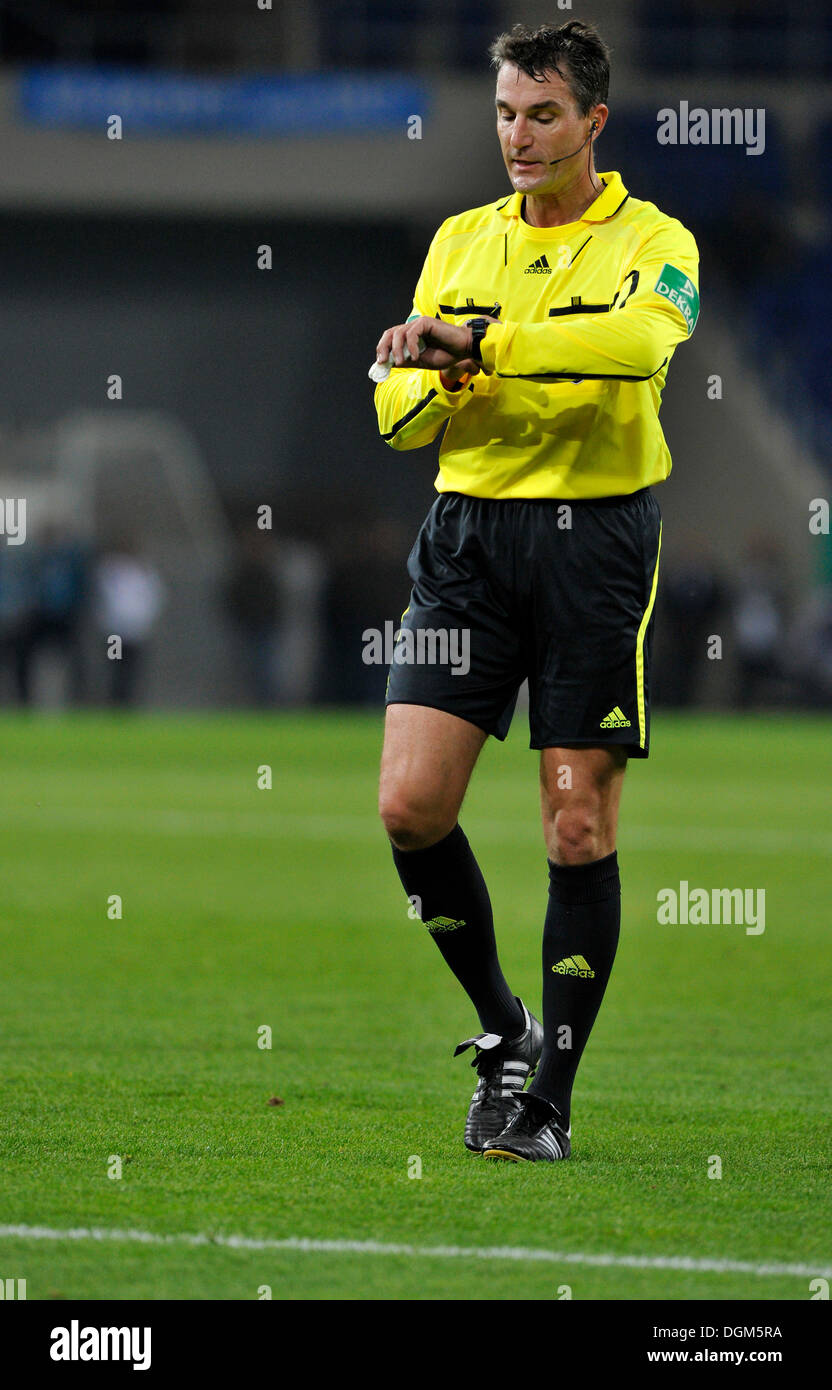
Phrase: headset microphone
pixel 578 150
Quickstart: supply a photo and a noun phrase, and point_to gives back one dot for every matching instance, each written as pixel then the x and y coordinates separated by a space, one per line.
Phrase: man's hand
pixel 447 347
pixel 467 367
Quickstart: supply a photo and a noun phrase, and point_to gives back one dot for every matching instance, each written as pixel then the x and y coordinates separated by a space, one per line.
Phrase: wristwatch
pixel 479 328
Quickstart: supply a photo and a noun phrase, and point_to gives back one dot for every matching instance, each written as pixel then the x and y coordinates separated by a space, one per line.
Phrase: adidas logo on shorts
pixel 616 719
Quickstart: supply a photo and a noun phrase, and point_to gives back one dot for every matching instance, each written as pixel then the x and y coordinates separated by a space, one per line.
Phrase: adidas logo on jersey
pixel 539 267
pixel 616 719
pixel 575 965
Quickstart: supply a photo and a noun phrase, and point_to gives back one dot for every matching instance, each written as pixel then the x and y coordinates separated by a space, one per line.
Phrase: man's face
pixel 538 121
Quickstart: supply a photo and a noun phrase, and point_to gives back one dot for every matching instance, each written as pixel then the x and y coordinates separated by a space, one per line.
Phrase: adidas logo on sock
pixel 616 719
pixel 444 924
pixel 575 965
pixel 539 267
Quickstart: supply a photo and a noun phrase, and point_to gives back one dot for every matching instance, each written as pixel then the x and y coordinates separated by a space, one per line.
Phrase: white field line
pixel 304 1246
pixel 367 828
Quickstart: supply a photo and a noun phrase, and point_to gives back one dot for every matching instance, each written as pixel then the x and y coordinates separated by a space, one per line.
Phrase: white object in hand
pixel 380 371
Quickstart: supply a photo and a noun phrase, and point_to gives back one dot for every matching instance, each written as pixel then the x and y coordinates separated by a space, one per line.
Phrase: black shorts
pixel 560 593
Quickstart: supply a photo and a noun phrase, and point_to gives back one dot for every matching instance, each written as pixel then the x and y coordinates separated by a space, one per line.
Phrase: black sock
pixel 580 937
pixel 454 905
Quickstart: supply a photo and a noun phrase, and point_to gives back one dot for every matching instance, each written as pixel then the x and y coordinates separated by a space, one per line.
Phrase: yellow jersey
pixel 590 314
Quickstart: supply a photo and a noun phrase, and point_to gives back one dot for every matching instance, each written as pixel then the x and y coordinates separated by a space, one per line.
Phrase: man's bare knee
pixel 580 820
pixel 411 825
pixel 426 762
pixel 576 836
pixel 414 822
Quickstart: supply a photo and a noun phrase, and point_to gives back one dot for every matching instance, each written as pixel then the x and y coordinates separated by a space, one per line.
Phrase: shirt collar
pixel 606 205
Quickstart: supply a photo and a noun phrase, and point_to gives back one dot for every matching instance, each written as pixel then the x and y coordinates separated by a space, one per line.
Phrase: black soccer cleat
pixel 504 1066
pixel 533 1134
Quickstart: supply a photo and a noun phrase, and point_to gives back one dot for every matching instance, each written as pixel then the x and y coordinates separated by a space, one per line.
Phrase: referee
pixel 542 329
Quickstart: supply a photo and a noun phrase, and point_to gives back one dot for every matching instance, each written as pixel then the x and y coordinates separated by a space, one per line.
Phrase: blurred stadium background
pixel 245 387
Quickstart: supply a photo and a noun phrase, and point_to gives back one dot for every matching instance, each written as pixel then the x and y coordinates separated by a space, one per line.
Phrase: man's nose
pixel 520 135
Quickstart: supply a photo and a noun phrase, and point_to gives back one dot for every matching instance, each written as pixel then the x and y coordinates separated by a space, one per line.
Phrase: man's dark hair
pixel 576 51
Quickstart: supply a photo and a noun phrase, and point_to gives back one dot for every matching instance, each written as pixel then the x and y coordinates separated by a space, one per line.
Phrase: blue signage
pixel 319 103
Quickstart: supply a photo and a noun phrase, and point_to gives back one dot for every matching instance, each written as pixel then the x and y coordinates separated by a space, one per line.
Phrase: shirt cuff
pixel 492 343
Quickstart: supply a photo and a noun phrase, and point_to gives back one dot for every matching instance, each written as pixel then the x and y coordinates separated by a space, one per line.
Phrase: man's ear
pixel 599 120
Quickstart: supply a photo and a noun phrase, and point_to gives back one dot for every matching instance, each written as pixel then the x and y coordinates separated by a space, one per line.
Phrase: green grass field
pixel 244 907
